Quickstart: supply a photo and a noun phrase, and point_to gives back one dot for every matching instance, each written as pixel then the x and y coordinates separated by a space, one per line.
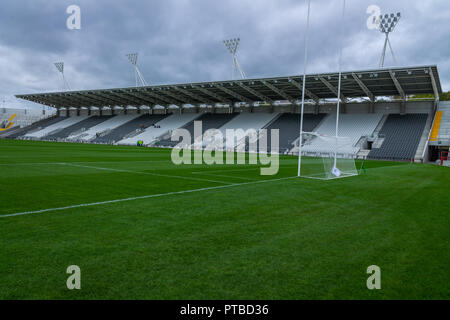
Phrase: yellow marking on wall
pixel 436 126
pixel 10 124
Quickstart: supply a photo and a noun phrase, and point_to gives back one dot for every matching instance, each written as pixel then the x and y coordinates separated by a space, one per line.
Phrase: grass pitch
pixel 238 237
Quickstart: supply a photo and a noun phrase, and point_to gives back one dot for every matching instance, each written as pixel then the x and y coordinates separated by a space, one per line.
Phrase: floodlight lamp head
pixel 232 45
pixel 388 22
pixel 60 66
pixel 133 58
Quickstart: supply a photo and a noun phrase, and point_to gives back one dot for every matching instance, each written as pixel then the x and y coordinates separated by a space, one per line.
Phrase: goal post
pixel 326 157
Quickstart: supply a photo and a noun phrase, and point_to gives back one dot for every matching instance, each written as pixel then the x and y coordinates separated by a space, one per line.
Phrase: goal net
pixel 326 157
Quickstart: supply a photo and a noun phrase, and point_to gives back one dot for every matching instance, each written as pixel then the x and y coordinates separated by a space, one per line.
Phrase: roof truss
pixel 355 84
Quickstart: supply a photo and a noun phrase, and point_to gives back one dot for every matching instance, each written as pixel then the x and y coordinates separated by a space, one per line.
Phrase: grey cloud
pixel 181 40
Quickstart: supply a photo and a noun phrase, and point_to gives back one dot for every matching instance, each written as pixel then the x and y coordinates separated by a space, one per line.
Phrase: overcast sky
pixel 181 40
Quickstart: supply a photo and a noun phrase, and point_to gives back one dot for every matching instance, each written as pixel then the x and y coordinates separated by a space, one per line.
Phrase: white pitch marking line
pixel 225 176
pixel 236 170
pixel 53 163
pixel 146 173
pixel 140 198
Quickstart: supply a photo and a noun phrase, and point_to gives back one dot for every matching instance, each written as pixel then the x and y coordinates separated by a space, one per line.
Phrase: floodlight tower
pixel 60 67
pixel 387 24
pixel 232 45
pixel 133 57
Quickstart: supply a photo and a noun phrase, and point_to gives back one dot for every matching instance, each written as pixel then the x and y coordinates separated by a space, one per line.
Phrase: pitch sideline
pixel 140 197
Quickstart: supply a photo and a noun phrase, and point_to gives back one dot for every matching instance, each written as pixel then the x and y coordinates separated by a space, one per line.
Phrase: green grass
pixel 281 239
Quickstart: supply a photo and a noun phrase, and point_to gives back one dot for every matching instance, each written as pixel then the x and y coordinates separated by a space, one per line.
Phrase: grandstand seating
pixel 130 127
pixel 163 127
pixel 17 132
pixel 288 125
pixel 402 135
pixel 48 128
pixel 103 127
pixel 246 121
pixel 351 126
pixel 444 124
pixel 209 121
pixel 391 136
pixel 79 126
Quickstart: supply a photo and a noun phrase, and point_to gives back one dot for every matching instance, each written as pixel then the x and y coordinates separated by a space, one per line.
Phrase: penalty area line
pixel 139 198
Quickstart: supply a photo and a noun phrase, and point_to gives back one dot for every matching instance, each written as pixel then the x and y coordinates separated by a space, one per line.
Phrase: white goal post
pixel 326 157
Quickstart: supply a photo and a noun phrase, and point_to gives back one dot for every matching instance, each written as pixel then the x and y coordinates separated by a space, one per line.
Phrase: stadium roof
pixel 355 84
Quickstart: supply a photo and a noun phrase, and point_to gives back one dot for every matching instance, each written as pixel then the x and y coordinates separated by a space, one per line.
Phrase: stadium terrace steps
pixel 245 121
pixel 402 136
pixel 151 134
pixel 351 126
pixel 288 125
pixel 35 126
pixel 129 127
pixel 104 126
pixel 78 127
pixel 52 127
pixel 423 140
pixel 209 121
pixel 443 129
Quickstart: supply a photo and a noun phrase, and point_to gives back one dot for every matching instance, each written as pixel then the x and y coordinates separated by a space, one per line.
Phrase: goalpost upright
pixel 303 89
pixel 327 157
pixel 339 83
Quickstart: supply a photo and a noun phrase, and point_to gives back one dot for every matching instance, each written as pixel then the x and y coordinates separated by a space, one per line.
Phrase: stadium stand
pixel 288 125
pixel 209 121
pixel 374 99
pixel 133 127
pixel 161 128
pixel 402 135
pixel 49 128
pixel 247 121
pixel 351 126
pixel 78 127
pixel 24 117
pixel 18 132
pixel 443 127
pixel 103 128
pixel 436 126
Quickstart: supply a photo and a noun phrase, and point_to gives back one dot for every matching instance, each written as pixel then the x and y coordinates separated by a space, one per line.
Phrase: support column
pixel 372 107
pixel 138 110
pixel 125 110
pixel 89 111
pixel 316 109
pixel 100 111
pixel 78 111
pixel 58 112
pixel 403 107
